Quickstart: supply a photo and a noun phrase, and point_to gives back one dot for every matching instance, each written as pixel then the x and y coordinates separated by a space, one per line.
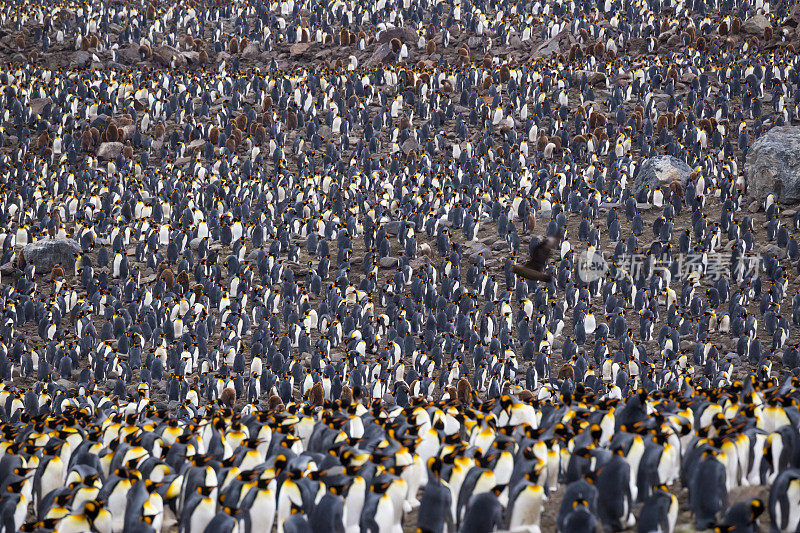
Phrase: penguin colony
pixel 289 308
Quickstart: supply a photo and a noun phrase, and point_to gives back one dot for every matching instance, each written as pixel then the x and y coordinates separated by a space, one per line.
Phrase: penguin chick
pixel 316 394
pixel 168 278
pixel 183 280
pixel 430 47
pixel 56 273
pixel 275 403
pixel 228 397
pixel 566 372
pixel 346 397
pixel 463 391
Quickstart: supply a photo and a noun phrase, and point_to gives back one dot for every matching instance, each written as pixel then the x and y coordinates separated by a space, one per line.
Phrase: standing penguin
pixel 614 501
pixel 525 506
pixel 659 512
pixel 708 490
pixel 434 514
pixel 783 495
pixel 483 514
pixel 580 518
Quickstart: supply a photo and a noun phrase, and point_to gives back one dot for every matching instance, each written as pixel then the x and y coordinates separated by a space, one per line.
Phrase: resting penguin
pixel 742 517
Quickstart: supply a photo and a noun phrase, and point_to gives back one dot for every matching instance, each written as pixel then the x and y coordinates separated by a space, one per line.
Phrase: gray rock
pixel 409 145
pixel 755 25
pixel 406 35
pixel 298 48
pixel 773 165
pixel 37 105
pixel 82 59
pixel 381 54
pixel 474 42
pixel 754 206
pixel 109 151
pixel 191 57
pixel 774 250
pixel 392 227
pixel 659 170
pixel 128 131
pixel 167 55
pixel 252 50
pixel 388 262
pixel 46 253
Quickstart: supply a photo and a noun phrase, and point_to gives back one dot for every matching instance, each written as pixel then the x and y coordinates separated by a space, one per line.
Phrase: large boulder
pixel 46 253
pixel 109 151
pixel 659 171
pixel 755 24
pixel 405 35
pixel 773 165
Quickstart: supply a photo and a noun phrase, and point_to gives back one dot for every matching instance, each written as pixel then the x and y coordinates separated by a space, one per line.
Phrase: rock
pixel 46 253
pixel 562 41
pixel 790 213
pixel 297 49
pixel 774 250
pixel 657 171
pixel 406 35
pixel 191 57
pixel 128 131
pixel 499 245
pixel 754 206
pixel 381 54
pixel 392 227
pixel 37 105
pixel 388 262
pixel 194 146
pixel 252 50
pixel 130 54
pixel 109 151
pixel 597 78
pixel 81 60
pixel 773 165
pixel 409 145
pixel 755 24
pixel 166 55
pixel 7 268
pixel 674 41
